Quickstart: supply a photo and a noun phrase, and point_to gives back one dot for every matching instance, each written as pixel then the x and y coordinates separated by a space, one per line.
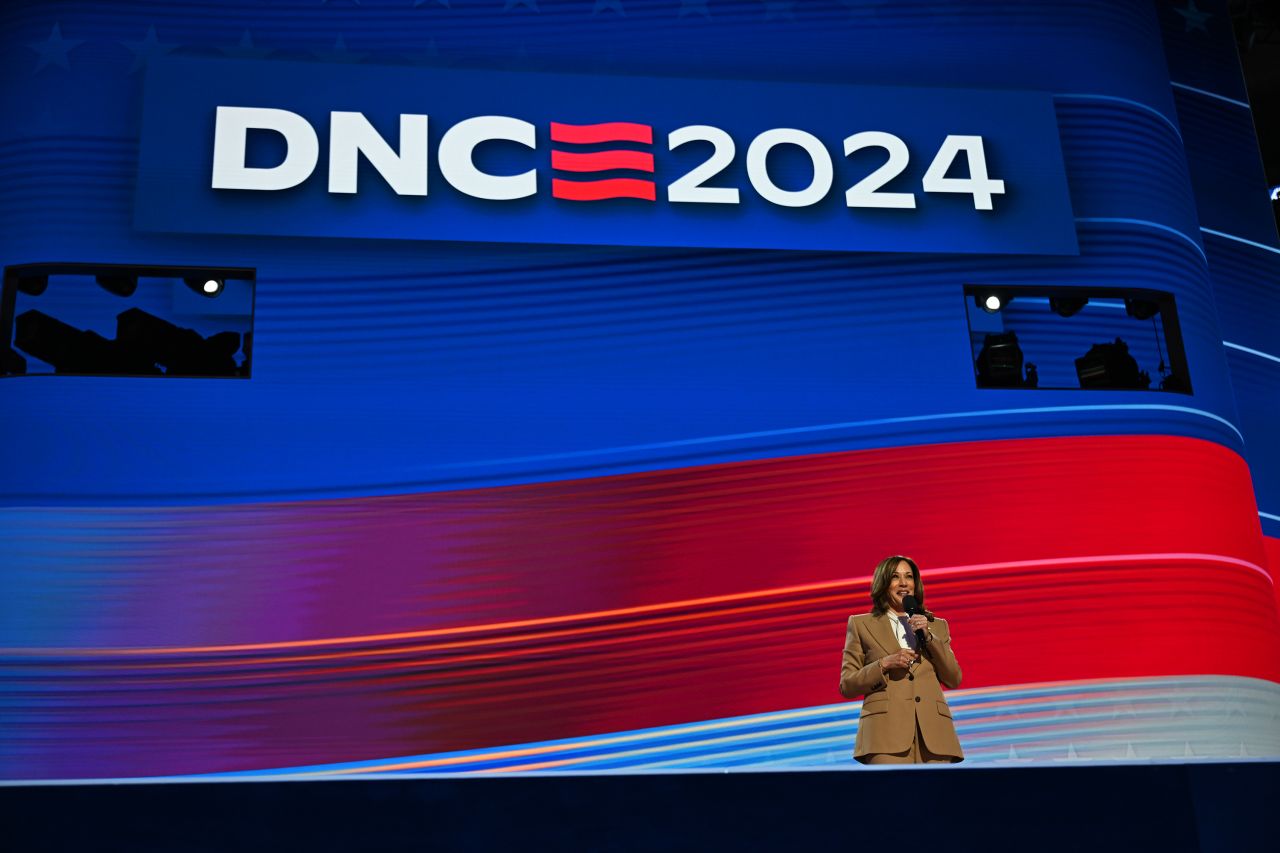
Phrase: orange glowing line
pixel 467 759
pixel 541 765
pixel 476 657
pixel 526 671
pixel 564 747
pixel 462 629
pixel 1065 563
pixel 507 639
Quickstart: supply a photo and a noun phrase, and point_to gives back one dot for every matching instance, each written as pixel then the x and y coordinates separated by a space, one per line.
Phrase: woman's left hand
pixel 919 623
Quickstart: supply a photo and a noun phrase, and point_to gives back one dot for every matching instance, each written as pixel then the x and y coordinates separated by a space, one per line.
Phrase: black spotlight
pixel 180 351
pixel 1067 306
pixel 1000 362
pixel 72 350
pixel 1140 309
pixel 33 285
pixel 120 285
pixel 991 301
pixel 206 285
pixel 1111 366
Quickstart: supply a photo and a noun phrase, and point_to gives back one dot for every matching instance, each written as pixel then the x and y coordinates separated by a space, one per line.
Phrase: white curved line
pixel 1147 224
pixel 1209 94
pixel 818 428
pixel 1100 560
pixel 1258 353
pixel 1224 235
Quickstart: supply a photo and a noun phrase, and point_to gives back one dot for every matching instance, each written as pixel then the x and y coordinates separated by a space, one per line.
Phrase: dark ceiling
pixel 1257 27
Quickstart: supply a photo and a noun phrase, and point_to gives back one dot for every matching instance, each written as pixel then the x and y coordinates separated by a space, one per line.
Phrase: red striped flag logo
pixel 605 160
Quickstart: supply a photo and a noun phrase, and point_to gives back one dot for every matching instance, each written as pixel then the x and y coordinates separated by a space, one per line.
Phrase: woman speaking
pixel 895 656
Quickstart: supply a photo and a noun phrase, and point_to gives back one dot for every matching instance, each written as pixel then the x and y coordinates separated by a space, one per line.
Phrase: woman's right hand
pixel 901 659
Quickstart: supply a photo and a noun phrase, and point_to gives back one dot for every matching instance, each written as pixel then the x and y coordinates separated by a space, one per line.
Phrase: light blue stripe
pixel 1226 236
pixel 1131 103
pixel 1147 224
pixel 1209 94
pixel 804 430
pixel 821 735
pixel 1086 715
pixel 1258 353
pixel 1269 515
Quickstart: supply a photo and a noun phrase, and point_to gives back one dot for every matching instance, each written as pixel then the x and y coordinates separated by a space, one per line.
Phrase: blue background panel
pixel 486 385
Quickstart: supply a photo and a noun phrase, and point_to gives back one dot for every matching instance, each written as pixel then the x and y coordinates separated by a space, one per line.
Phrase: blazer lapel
pixel 883 634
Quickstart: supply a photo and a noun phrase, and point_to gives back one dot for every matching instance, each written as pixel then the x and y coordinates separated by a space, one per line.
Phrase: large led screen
pixel 600 350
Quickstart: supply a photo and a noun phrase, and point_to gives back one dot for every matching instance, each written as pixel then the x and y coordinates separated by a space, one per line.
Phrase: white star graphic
pixel 246 49
pixel 54 49
pixel 339 53
pixel 149 48
pixel 1193 18
pixel 427 56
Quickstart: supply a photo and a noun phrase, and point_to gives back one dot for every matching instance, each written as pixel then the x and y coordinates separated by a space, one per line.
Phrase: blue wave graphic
pixel 1177 719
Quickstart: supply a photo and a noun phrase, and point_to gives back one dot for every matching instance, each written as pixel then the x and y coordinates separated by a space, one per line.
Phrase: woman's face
pixel 901 584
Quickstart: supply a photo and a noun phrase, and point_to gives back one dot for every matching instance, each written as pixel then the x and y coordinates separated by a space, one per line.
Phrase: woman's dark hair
pixel 880 583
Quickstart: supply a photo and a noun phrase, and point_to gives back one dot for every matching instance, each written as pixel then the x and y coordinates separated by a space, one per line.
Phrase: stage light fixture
pixel 1000 362
pixel 1111 366
pixel 119 285
pixel 991 301
pixel 33 285
pixel 205 285
pixel 145 344
pixel 180 351
pixel 71 350
pixel 1140 309
pixel 1067 306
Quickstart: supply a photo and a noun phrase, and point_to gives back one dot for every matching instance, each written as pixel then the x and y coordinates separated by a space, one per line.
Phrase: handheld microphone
pixel 912 607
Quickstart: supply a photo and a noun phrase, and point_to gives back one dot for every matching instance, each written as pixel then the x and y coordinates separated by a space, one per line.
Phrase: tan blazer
pixel 896 701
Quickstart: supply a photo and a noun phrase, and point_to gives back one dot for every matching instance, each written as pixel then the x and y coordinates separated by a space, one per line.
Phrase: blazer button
pixel 911 678
pixel 917 698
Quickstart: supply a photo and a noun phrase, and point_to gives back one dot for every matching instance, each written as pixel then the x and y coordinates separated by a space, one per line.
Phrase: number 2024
pixel 865 193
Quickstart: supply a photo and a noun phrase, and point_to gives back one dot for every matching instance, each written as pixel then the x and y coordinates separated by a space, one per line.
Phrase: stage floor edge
pixel 1167 806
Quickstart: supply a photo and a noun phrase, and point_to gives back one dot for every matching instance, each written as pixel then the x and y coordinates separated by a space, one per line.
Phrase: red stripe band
pixel 597 190
pixel 599 161
pixel 614 131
